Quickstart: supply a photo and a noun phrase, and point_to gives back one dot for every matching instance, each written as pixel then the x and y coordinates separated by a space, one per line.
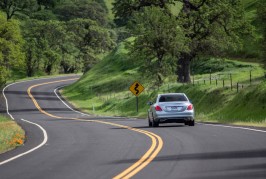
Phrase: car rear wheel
pixel 191 123
pixel 154 123
pixel 149 121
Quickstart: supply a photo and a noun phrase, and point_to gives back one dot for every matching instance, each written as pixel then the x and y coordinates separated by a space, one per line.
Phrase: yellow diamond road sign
pixel 136 88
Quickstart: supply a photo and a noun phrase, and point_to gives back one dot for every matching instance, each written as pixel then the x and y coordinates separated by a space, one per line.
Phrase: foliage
pixel 11 42
pixel 212 27
pixel 90 39
pixel 82 9
pixel 67 36
pixel 48 4
pixel 13 7
pixel 44 15
pixel 262 19
pixel 44 41
pixel 124 9
pixel 56 35
pixel 158 40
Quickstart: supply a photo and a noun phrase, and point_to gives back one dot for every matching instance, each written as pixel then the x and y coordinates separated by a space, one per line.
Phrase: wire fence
pixel 226 81
pixel 230 80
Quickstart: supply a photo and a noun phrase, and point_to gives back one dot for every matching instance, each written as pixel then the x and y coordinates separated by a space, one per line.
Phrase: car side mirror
pixel 150 103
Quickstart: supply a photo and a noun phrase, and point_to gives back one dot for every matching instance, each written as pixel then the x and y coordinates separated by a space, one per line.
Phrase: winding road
pixel 63 143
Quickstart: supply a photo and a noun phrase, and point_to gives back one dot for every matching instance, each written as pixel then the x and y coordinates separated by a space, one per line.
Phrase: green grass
pixel 11 134
pixel 226 106
pixel 106 89
pixel 247 106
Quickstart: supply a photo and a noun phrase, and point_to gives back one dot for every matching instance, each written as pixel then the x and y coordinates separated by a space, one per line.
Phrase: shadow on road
pixel 261 153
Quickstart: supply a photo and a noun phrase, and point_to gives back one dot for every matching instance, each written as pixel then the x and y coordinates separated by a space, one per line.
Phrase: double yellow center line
pixel 146 159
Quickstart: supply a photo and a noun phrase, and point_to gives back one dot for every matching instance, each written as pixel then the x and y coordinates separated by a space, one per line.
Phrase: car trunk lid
pixel 174 106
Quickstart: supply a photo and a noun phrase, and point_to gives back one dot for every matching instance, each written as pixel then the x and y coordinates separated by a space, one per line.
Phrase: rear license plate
pixel 176 108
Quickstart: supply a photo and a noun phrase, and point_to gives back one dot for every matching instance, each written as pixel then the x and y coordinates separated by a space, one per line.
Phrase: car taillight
pixel 158 108
pixel 190 107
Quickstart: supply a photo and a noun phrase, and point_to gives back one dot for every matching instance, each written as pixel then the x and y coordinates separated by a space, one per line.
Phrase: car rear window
pixel 172 98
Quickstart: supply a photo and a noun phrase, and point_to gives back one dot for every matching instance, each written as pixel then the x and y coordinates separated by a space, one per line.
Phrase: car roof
pixel 171 94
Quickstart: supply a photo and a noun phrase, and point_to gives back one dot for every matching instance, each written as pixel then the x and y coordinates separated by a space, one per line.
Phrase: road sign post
pixel 136 88
pixel 137 103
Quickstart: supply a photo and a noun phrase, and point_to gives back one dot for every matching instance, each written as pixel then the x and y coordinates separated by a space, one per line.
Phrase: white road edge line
pixel 7 110
pixel 45 139
pixel 84 114
pixel 55 91
pixel 234 127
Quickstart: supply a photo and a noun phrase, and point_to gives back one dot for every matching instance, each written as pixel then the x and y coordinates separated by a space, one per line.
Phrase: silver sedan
pixel 171 108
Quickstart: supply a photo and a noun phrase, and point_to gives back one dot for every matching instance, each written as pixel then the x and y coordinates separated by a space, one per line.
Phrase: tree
pixel 31 57
pixel 54 35
pixel 262 19
pixel 124 9
pixel 47 3
pixel 82 9
pixel 158 39
pixel 90 39
pixel 11 42
pixel 12 7
pixel 44 41
pixel 212 26
pixel 44 15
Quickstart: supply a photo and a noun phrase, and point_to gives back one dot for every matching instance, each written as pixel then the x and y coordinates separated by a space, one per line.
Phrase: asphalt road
pixel 62 143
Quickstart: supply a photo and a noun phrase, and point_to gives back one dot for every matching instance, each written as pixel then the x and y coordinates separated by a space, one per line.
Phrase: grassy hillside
pixel 104 90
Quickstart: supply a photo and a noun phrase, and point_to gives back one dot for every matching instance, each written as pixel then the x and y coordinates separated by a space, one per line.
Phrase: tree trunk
pixel 48 69
pixel 29 64
pixel 183 68
pixel 160 68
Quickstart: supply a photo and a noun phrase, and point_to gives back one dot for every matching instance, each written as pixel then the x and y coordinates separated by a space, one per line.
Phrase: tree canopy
pixel 158 39
pixel 13 7
pixel 210 26
pixel 124 9
pixel 11 41
pixel 47 36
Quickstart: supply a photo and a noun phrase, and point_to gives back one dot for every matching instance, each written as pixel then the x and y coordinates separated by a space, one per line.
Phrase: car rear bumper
pixel 174 118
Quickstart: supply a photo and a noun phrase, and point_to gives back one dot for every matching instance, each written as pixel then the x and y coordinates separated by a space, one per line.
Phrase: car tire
pixel 154 123
pixel 149 121
pixel 186 123
pixel 191 123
